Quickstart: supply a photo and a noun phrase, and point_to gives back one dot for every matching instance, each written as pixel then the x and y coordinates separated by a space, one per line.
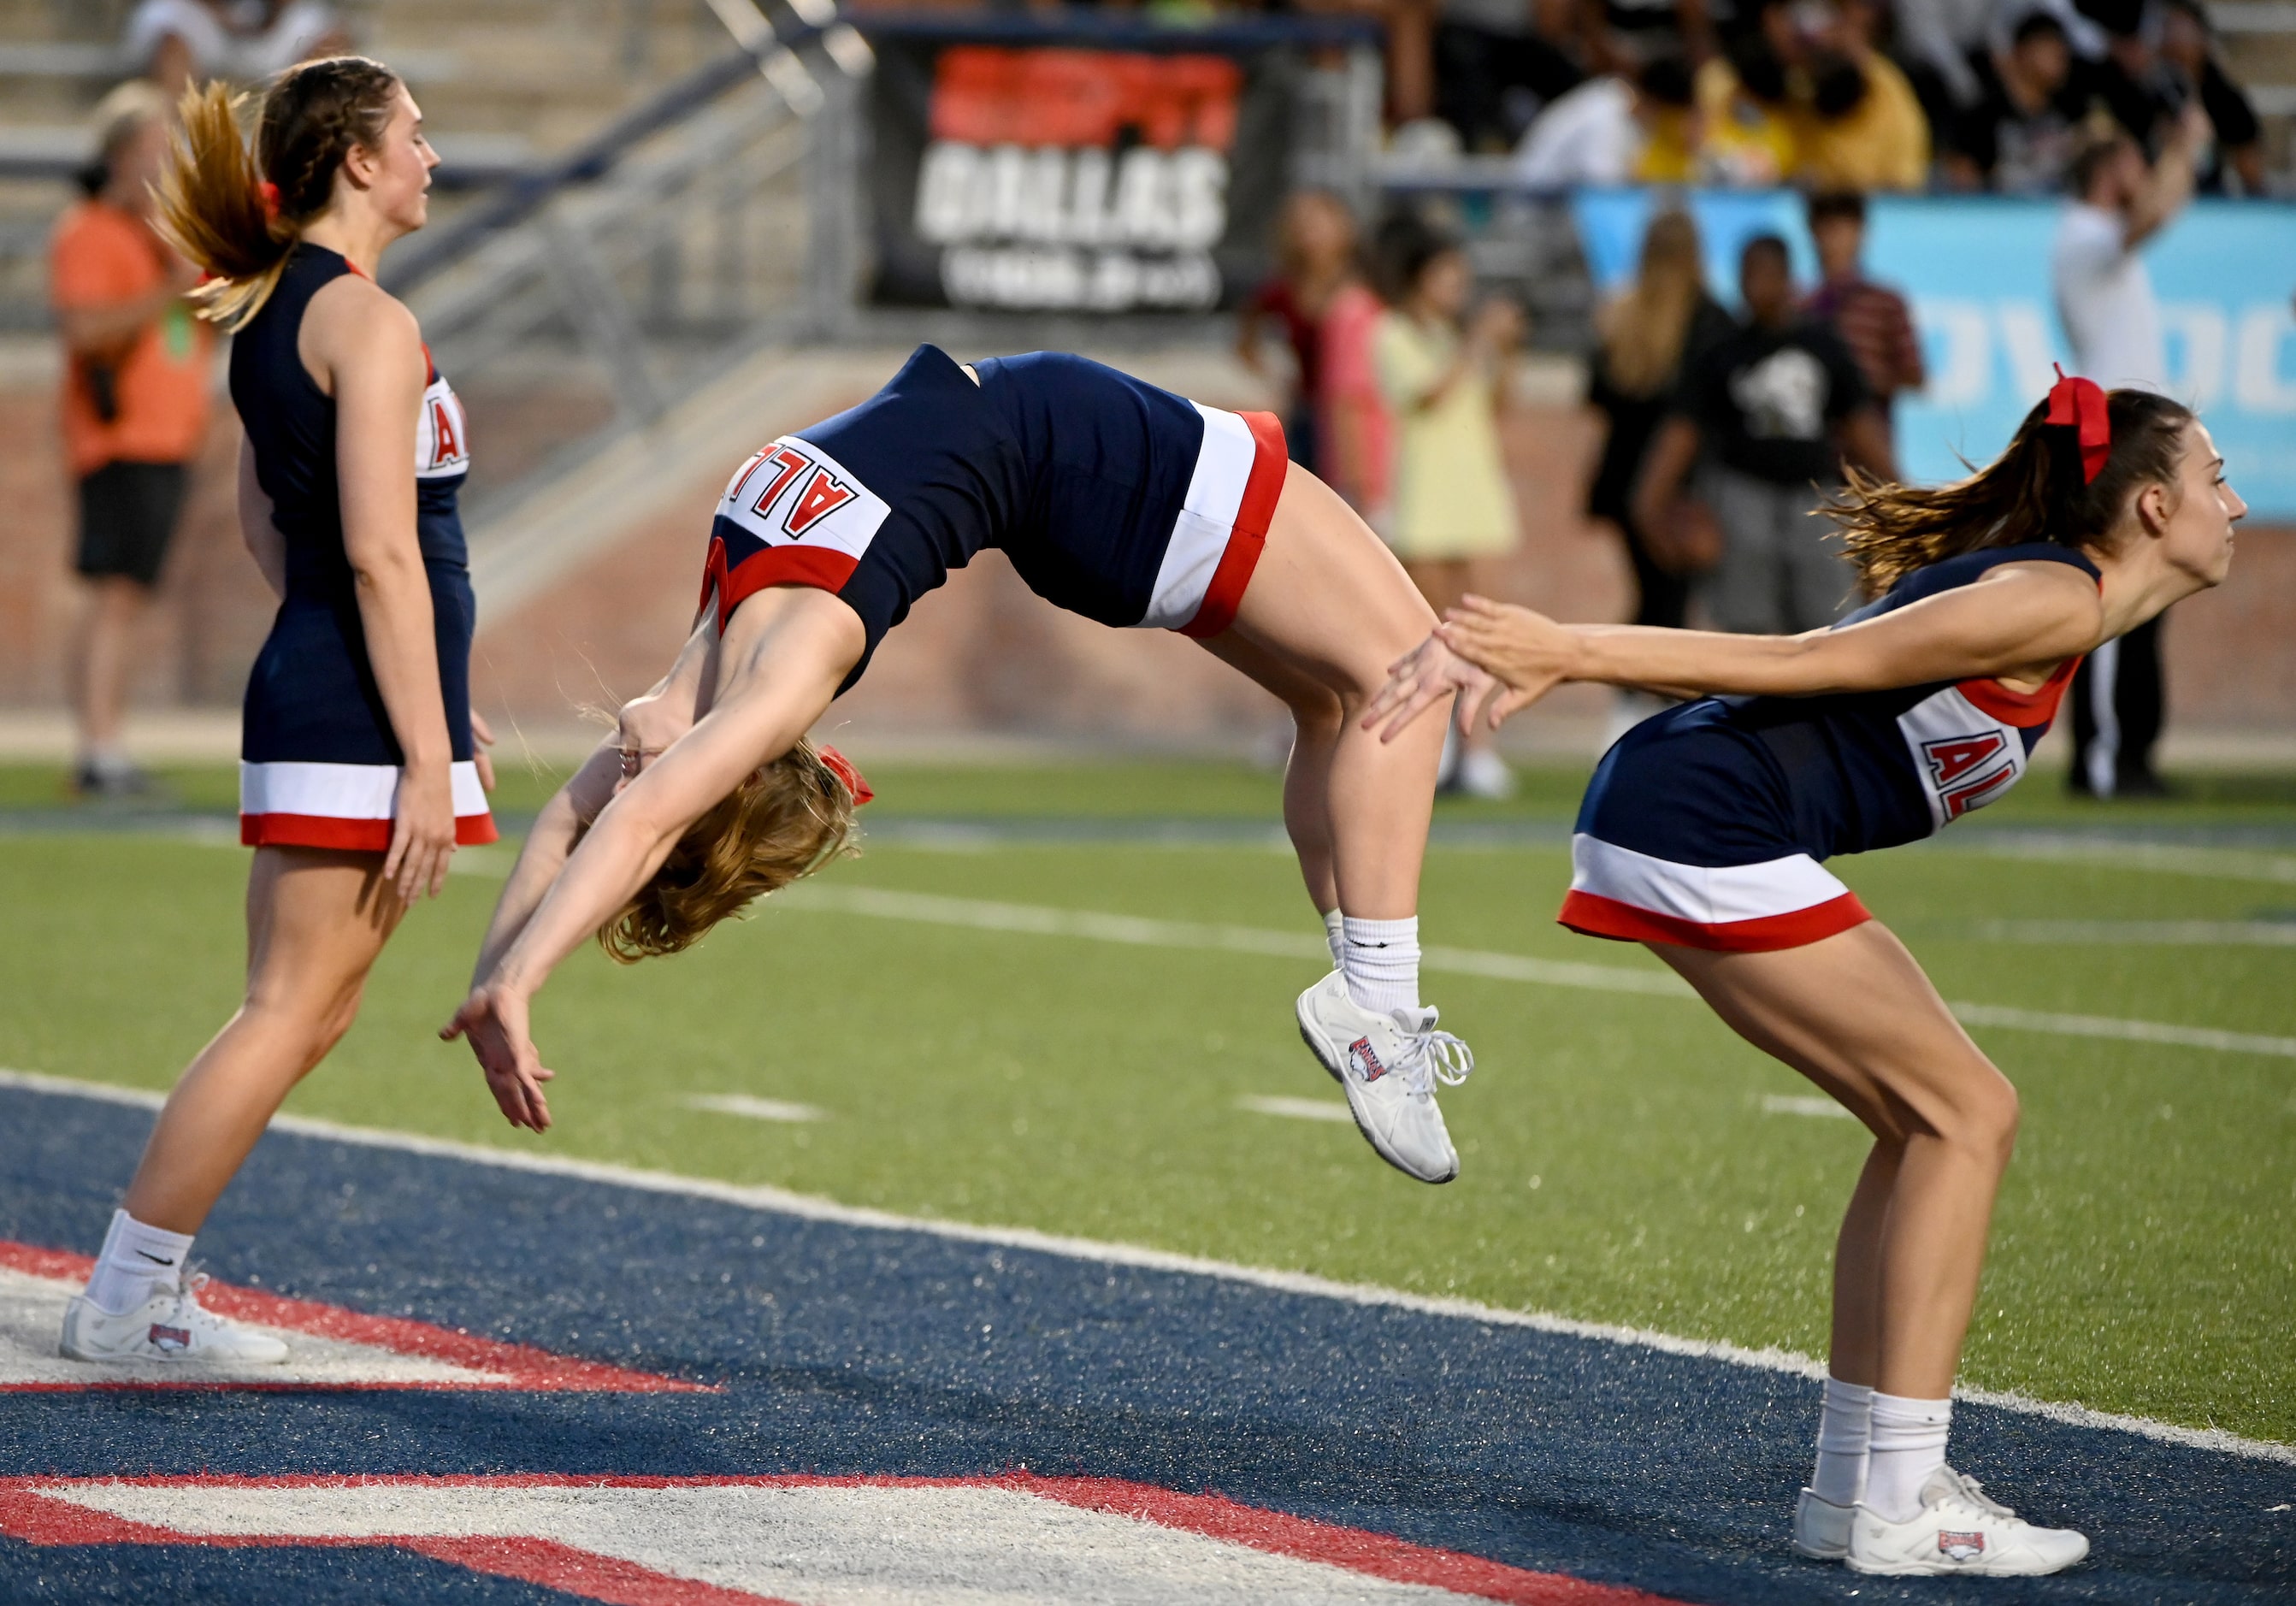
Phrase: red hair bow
pixel 842 768
pixel 2078 405
pixel 266 194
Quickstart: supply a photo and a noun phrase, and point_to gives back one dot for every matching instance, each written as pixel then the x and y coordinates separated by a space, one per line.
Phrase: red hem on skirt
pixel 357 836
pixel 1591 914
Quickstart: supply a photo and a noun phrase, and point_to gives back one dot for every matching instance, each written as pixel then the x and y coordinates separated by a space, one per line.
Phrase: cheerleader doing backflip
pixel 1702 833
pixel 1112 499
pixel 357 773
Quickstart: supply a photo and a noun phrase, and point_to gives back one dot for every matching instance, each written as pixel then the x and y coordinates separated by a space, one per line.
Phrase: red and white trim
pixel 1630 897
pixel 1222 525
pixel 707 1541
pixel 290 804
pixel 812 513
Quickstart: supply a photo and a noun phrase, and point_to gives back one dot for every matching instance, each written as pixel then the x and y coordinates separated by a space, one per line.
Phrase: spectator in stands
pixel 1864 128
pixel 1940 41
pixel 1871 319
pixel 1746 116
pixel 1776 407
pixel 1355 428
pixel 1494 68
pixel 2191 72
pixel 2017 137
pixel 1648 334
pixel 1315 257
pixel 1614 129
pixel 176 42
pixel 1444 376
pixel 2105 301
pixel 135 410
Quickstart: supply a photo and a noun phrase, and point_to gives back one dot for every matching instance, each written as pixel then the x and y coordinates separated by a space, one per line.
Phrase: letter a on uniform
pixel 446 445
pixel 821 495
pixel 1956 756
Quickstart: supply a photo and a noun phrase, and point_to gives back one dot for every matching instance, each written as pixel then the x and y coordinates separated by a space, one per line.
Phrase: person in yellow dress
pixel 1444 376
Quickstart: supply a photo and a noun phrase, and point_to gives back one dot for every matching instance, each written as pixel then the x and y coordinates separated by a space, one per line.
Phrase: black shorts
pixel 128 513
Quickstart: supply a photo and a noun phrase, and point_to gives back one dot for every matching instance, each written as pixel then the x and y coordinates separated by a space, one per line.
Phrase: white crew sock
pixel 1845 1426
pixel 1335 935
pixel 1908 1444
pixel 1381 960
pixel 136 1260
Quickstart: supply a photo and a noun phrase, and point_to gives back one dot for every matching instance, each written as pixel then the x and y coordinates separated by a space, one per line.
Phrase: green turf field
pixel 1620 1162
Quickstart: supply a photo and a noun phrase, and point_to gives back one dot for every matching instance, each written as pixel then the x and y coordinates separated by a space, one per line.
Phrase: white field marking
pixel 811 1208
pixel 2143 933
pixel 1793 1103
pixel 756 1110
pixel 1039 921
pixel 1298 1109
pixel 832 1545
pixel 2228 863
pixel 32 1316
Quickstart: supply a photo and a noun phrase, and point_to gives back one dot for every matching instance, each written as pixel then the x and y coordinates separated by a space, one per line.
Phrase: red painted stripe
pixel 25 1514
pixel 821 566
pixel 1262 488
pixel 582 1572
pixel 1591 914
pixel 362 836
pixel 1373 1556
pixel 2023 710
pixel 521 1366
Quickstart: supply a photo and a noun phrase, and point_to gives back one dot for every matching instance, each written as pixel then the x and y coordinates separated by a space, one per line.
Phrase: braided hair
pixel 235 212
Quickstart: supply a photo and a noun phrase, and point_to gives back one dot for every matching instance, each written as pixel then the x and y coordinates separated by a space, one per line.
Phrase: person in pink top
pixel 1357 429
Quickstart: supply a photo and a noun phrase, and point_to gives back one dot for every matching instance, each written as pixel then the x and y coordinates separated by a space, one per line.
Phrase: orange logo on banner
pixel 985 95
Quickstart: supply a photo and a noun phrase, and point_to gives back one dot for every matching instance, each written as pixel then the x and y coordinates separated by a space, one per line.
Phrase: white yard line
pixel 2170 858
pixel 1037 919
pixel 2142 933
pixel 755 1109
pixel 1795 1103
pixel 806 1207
pixel 1298 1109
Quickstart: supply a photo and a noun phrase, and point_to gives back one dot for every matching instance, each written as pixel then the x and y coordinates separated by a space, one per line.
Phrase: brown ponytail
pixel 213 203
pixel 2034 491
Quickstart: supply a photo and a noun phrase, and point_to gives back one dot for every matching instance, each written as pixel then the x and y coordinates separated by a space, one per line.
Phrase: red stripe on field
pixel 518 1366
pixel 582 1572
pixel 1303 1539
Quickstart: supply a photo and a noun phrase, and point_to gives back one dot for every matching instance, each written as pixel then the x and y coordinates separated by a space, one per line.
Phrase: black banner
pixel 1076 174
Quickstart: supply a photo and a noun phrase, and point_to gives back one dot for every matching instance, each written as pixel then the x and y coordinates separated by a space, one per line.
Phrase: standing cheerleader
pixel 1702 834
pixel 357 773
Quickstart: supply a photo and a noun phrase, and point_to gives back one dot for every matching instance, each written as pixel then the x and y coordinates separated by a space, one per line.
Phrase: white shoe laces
pixel 1974 1492
pixel 1430 1057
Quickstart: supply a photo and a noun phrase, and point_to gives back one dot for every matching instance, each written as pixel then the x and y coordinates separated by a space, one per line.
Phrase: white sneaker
pixel 170 1326
pixel 1821 1529
pixel 1959 1529
pixel 1483 774
pixel 1388 1065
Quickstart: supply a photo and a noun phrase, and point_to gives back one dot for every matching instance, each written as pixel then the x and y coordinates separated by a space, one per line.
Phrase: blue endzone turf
pixel 844 1349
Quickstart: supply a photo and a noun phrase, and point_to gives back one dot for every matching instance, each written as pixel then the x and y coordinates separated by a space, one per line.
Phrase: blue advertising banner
pixel 1977 273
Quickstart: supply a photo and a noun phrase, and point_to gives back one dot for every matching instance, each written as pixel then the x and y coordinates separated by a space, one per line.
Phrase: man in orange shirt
pixel 135 410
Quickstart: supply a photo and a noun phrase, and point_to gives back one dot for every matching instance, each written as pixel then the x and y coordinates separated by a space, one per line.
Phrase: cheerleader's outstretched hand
pixel 1430 673
pixel 1526 653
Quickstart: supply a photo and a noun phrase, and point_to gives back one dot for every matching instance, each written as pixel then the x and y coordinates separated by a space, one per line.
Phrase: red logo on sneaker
pixel 171 1339
pixel 1360 1051
pixel 1961 1547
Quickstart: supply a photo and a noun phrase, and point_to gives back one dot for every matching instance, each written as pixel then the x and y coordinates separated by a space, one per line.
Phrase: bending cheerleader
pixel 1703 835
pixel 357 773
pixel 1112 499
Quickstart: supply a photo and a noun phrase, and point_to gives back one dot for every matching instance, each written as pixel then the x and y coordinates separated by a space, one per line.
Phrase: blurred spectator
pixel 1315 257
pixel 1940 41
pixel 2105 301
pixel 2017 137
pixel 1871 319
pixel 1356 430
pixel 1865 129
pixel 1775 406
pixel 1652 29
pixel 1445 377
pixel 1649 333
pixel 1614 130
pixel 175 42
pixel 135 410
pixel 1745 114
pixel 1495 70
pixel 2187 69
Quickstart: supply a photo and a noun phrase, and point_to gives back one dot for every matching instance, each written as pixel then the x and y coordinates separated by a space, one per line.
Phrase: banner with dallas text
pixel 1977 273
pixel 1088 176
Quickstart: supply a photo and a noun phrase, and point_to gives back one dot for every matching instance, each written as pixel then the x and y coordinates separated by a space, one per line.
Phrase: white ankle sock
pixel 1335 934
pixel 1908 1444
pixel 1381 960
pixel 136 1260
pixel 1845 1426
